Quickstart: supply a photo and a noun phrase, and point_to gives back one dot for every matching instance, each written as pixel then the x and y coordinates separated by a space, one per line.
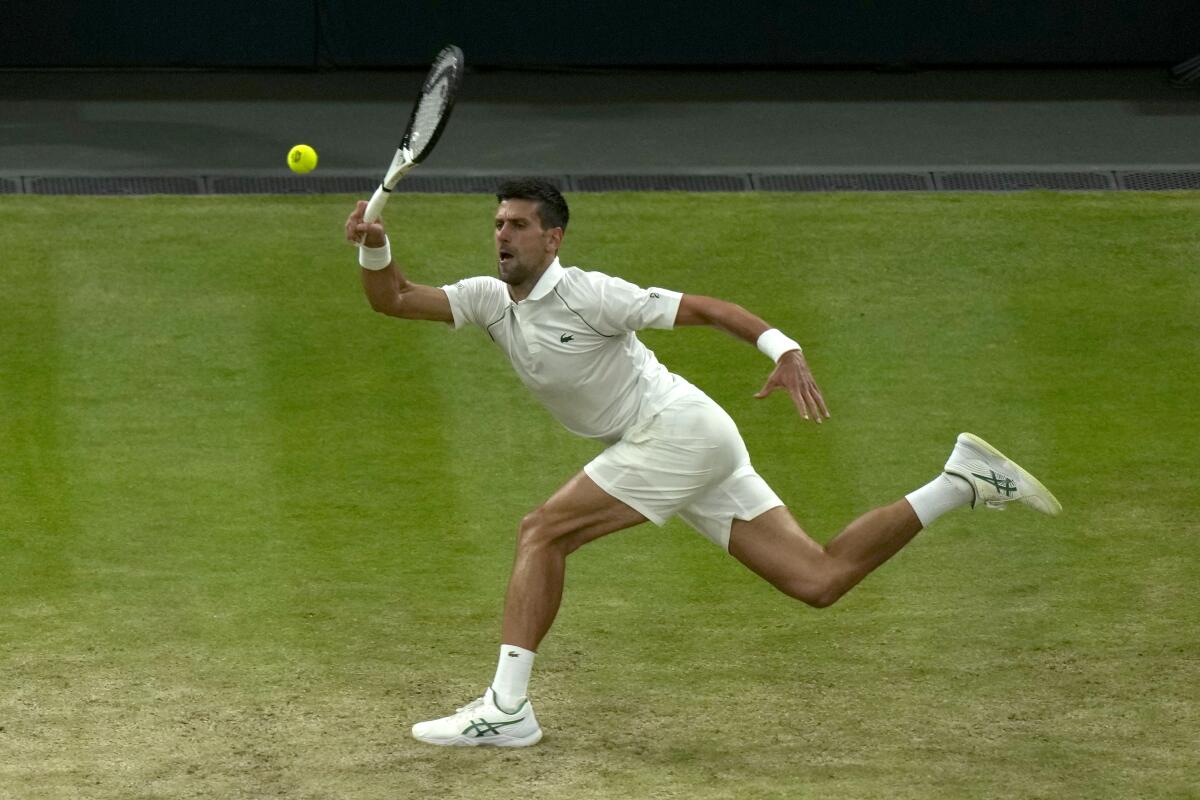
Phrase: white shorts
pixel 688 460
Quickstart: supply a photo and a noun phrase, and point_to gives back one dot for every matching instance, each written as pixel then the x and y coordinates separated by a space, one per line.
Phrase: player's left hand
pixel 793 375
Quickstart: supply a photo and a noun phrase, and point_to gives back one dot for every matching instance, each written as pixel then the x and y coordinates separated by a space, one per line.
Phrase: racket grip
pixel 375 207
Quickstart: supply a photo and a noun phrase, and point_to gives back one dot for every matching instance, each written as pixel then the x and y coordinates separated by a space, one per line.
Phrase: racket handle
pixel 375 207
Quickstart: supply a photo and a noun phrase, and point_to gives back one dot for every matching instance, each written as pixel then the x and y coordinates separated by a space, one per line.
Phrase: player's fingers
pixel 813 408
pixel 814 401
pixel 768 387
pixel 356 215
pixel 799 401
pixel 820 398
pixel 363 229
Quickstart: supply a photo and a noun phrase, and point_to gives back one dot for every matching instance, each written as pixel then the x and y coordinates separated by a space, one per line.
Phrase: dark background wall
pixel 341 33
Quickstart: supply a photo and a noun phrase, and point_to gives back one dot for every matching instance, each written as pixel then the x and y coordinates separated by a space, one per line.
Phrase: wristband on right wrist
pixel 375 258
pixel 773 344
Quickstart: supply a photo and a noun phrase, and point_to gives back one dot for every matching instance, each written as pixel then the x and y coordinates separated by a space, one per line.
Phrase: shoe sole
pixel 1033 483
pixel 463 741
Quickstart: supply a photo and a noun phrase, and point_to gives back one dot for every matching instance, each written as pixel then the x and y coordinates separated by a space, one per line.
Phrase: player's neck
pixel 523 289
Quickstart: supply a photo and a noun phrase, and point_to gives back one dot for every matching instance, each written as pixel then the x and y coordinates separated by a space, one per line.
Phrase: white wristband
pixel 773 344
pixel 375 258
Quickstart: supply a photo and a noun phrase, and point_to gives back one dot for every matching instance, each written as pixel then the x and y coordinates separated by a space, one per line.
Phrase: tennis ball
pixel 302 158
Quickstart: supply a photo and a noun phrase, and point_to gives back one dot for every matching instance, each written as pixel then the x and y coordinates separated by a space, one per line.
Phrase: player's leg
pixel 577 513
pixel 649 474
pixel 774 546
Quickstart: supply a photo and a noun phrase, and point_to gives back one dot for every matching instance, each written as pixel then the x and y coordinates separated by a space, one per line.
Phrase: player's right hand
pixel 359 232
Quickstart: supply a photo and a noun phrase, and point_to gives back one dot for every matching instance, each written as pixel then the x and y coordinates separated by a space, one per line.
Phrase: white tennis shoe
pixel 995 479
pixel 482 722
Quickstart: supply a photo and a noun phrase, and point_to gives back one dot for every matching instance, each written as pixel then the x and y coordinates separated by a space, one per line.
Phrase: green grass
pixel 250 532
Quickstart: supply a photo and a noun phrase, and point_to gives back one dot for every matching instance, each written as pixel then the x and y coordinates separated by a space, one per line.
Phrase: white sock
pixel 512 676
pixel 944 493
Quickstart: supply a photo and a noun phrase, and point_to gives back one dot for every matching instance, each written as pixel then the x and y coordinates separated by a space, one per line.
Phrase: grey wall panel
pixel 314 33
pixel 153 33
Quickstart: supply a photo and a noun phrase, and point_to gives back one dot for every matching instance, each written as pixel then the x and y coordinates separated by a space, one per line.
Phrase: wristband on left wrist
pixel 773 344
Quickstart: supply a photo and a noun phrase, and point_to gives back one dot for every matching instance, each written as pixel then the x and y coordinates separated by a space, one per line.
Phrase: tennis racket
pixel 428 120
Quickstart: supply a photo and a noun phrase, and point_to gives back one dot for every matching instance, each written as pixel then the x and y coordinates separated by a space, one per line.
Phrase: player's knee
pixel 823 599
pixel 530 528
pixel 535 530
pixel 540 530
pixel 819 593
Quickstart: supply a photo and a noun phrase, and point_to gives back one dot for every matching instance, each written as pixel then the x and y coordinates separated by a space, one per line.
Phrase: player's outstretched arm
pixel 791 371
pixel 388 291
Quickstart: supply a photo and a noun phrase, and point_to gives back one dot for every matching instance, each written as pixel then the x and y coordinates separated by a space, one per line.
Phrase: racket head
pixel 432 110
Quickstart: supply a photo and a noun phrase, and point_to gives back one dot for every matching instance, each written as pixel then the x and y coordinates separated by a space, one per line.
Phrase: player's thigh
pixel 744 495
pixel 579 512
pixel 672 462
pixel 775 547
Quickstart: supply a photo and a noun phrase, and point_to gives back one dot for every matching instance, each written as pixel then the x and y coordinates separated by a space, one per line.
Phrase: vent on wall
pixel 364 184
pixel 846 182
pixel 1022 181
pixel 115 185
pixel 1158 181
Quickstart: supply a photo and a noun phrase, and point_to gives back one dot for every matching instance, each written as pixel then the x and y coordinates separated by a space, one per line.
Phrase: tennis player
pixel 571 336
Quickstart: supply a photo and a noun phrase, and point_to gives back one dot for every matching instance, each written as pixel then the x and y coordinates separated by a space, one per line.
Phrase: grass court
pixel 250 532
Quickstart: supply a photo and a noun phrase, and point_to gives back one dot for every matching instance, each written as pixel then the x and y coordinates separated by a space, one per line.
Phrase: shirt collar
pixel 548 281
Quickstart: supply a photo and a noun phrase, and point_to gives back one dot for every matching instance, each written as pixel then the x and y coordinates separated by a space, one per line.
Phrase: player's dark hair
pixel 551 206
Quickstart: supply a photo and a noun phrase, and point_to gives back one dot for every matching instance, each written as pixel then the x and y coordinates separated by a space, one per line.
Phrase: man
pixel 570 336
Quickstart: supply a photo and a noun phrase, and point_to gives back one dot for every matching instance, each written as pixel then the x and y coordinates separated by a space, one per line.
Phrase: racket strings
pixel 433 105
pixel 425 121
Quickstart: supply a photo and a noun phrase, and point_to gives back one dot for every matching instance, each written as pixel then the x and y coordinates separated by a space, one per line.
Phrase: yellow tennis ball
pixel 302 158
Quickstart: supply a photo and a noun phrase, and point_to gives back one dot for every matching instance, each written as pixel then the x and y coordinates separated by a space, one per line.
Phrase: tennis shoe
pixel 481 722
pixel 995 479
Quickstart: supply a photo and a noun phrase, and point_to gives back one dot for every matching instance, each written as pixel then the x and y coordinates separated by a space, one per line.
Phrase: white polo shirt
pixel 572 342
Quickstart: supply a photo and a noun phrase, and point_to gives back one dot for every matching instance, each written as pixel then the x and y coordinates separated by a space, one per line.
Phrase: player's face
pixel 523 247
